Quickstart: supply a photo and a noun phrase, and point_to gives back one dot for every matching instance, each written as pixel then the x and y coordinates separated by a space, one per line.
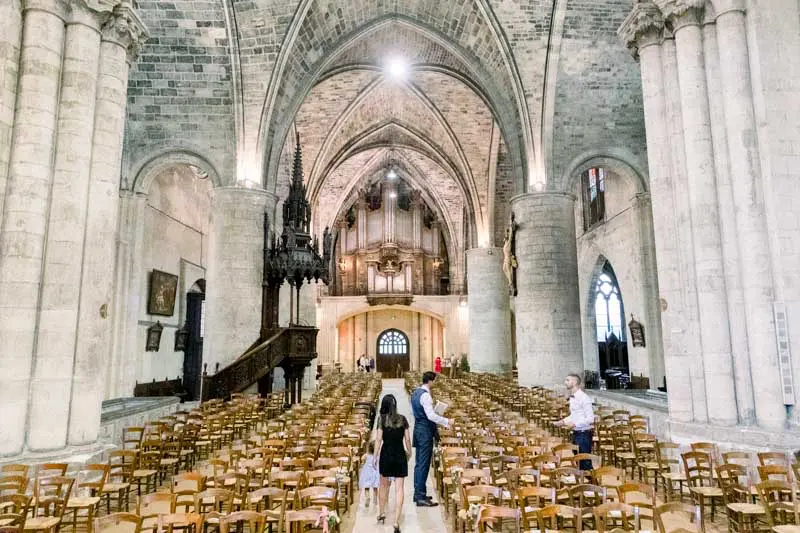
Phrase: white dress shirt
pixel 580 411
pixel 427 404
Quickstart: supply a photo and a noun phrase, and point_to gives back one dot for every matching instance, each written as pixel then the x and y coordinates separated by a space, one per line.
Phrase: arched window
pixel 393 342
pixel 608 308
pixel 593 185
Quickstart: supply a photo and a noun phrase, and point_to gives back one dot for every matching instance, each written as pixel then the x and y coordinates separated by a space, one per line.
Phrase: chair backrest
pixel 15 503
pixel 499 517
pixel 586 495
pixel 52 494
pixel 12 522
pixel 183 522
pixel 698 468
pixel 156 503
pixel 553 516
pixel 217 499
pixel 613 514
pixel 297 521
pixel 679 516
pixel 93 477
pixel 13 484
pixel 778 499
pixel 14 470
pixel 118 523
pixel 775 472
pixel 740 458
pixel 252 521
pixel 608 476
pixel 773 458
pixel 316 497
pixel 640 494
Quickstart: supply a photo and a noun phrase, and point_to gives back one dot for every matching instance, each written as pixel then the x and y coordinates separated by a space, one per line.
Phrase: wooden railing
pixel 295 345
pixel 168 387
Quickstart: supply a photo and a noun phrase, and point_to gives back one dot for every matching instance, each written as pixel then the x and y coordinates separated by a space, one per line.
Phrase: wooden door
pixel 393 353
pixel 193 356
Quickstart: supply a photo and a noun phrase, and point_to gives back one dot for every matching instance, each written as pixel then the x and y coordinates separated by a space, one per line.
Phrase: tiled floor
pixel 414 519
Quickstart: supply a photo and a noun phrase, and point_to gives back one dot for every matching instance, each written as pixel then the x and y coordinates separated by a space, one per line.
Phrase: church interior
pixel 229 228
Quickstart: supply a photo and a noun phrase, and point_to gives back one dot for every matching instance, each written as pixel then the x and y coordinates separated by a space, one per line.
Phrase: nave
pixel 252 464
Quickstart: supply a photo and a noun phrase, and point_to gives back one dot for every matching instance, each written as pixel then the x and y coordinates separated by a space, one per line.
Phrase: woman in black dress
pixel 393 449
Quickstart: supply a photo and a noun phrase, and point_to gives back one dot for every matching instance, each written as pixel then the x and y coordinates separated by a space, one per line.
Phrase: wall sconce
pixel 437 263
pixel 342 264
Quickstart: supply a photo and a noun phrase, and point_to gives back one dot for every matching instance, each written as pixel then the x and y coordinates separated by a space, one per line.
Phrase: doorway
pixel 393 353
pixel 195 324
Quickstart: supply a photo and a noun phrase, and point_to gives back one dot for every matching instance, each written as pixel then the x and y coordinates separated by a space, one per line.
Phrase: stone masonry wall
pixel 180 93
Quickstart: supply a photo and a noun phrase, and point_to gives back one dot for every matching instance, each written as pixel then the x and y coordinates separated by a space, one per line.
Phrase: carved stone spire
pixel 296 209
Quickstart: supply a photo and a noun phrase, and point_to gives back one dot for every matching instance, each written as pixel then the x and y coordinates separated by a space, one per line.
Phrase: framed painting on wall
pixel 161 299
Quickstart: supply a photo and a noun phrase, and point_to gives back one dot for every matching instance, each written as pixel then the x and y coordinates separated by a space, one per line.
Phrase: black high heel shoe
pixel 382 519
pixel 396 529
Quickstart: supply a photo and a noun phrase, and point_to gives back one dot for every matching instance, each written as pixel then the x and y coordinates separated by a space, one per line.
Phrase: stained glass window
pixel 608 308
pixel 593 183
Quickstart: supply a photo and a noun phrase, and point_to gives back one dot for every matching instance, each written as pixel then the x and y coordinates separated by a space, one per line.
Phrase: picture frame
pixel 161 296
pixel 153 342
pixel 637 333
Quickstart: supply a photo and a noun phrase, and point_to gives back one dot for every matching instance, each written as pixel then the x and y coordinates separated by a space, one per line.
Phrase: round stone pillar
pixel 22 232
pixel 489 311
pixel 121 35
pixel 707 243
pixel 548 318
pixel 51 386
pixel 751 223
pixel 235 272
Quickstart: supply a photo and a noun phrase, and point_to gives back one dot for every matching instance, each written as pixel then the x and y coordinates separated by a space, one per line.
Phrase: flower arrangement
pixel 455 473
pixel 327 520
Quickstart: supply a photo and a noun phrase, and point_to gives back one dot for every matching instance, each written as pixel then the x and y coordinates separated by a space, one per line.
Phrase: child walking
pixel 369 478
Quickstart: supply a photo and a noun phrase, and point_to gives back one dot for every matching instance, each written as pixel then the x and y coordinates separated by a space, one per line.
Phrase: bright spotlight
pixel 391 174
pixel 397 68
pixel 392 195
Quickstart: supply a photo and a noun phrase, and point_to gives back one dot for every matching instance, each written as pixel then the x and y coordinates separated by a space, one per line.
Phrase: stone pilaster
pixel 489 315
pixel 728 231
pixel 548 320
pixel 51 386
pixel 22 232
pixel 122 35
pixel 235 272
pixel 10 42
pixel 751 224
pixel 684 17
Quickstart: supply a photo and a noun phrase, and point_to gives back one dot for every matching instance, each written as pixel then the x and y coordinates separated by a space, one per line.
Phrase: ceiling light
pixel 397 68
pixel 392 194
pixel 391 174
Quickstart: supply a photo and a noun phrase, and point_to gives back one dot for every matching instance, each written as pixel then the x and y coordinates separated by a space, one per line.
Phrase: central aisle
pixel 415 519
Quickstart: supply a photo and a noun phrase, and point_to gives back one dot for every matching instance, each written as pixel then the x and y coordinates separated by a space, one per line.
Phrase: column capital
pixel 723 7
pixel 680 13
pixel 644 26
pixel 125 28
pixel 59 8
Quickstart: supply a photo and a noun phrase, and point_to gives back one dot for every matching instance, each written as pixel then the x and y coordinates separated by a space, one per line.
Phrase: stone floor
pixel 414 519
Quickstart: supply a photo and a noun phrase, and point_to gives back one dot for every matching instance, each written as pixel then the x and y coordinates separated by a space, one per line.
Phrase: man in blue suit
pixel 425 433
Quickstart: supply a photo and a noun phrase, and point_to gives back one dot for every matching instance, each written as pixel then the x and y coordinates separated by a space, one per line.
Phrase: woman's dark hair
pixel 388 412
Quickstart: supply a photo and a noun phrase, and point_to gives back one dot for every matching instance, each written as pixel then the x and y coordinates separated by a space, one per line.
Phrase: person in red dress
pixel 437 365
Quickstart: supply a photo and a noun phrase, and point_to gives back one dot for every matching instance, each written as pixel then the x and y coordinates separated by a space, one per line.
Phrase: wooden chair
pixel 775 472
pixel 184 487
pixel 86 505
pixel 119 480
pixel 316 498
pixel 12 522
pixel 744 516
pixel 778 498
pixel 184 522
pixel 118 523
pixel 132 438
pixel 14 469
pixel 679 517
pixel 150 506
pixel 497 517
pixel 213 500
pixel 530 500
pixel 700 479
pixel 744 459
pixel 300 521
pixel 13 485
pixel 560 517
pixel 249 521
pixel 51 495
pixel 774 458
pixel 611 515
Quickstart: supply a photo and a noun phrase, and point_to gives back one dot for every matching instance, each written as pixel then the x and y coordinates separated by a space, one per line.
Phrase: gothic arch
pixel 146 172
pixel 618 160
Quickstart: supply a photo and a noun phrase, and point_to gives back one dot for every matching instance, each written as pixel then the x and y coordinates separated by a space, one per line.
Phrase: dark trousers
pixel 584 441
pixel 422 465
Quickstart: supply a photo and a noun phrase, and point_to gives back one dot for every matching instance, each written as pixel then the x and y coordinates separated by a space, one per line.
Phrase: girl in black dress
pixel 393 449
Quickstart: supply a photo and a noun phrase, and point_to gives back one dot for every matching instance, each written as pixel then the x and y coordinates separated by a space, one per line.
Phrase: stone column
pixel 10 40
pixel 235 269
pixel 51 386
pixel 22 232
pixel 121 36
pixel 751 224
pixel 708 263
pixel 489 315
pixel 642 31
pixel 548 315
pixel 728 230
pixel 688 367
pixel 361 221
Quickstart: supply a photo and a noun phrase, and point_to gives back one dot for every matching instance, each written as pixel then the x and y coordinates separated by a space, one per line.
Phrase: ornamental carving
pixel 646 17
pixel 676 8
pixel 125 28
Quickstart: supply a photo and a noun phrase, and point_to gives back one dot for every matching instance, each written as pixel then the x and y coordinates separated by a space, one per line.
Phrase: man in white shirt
pixel 425 433
pixel 581 417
